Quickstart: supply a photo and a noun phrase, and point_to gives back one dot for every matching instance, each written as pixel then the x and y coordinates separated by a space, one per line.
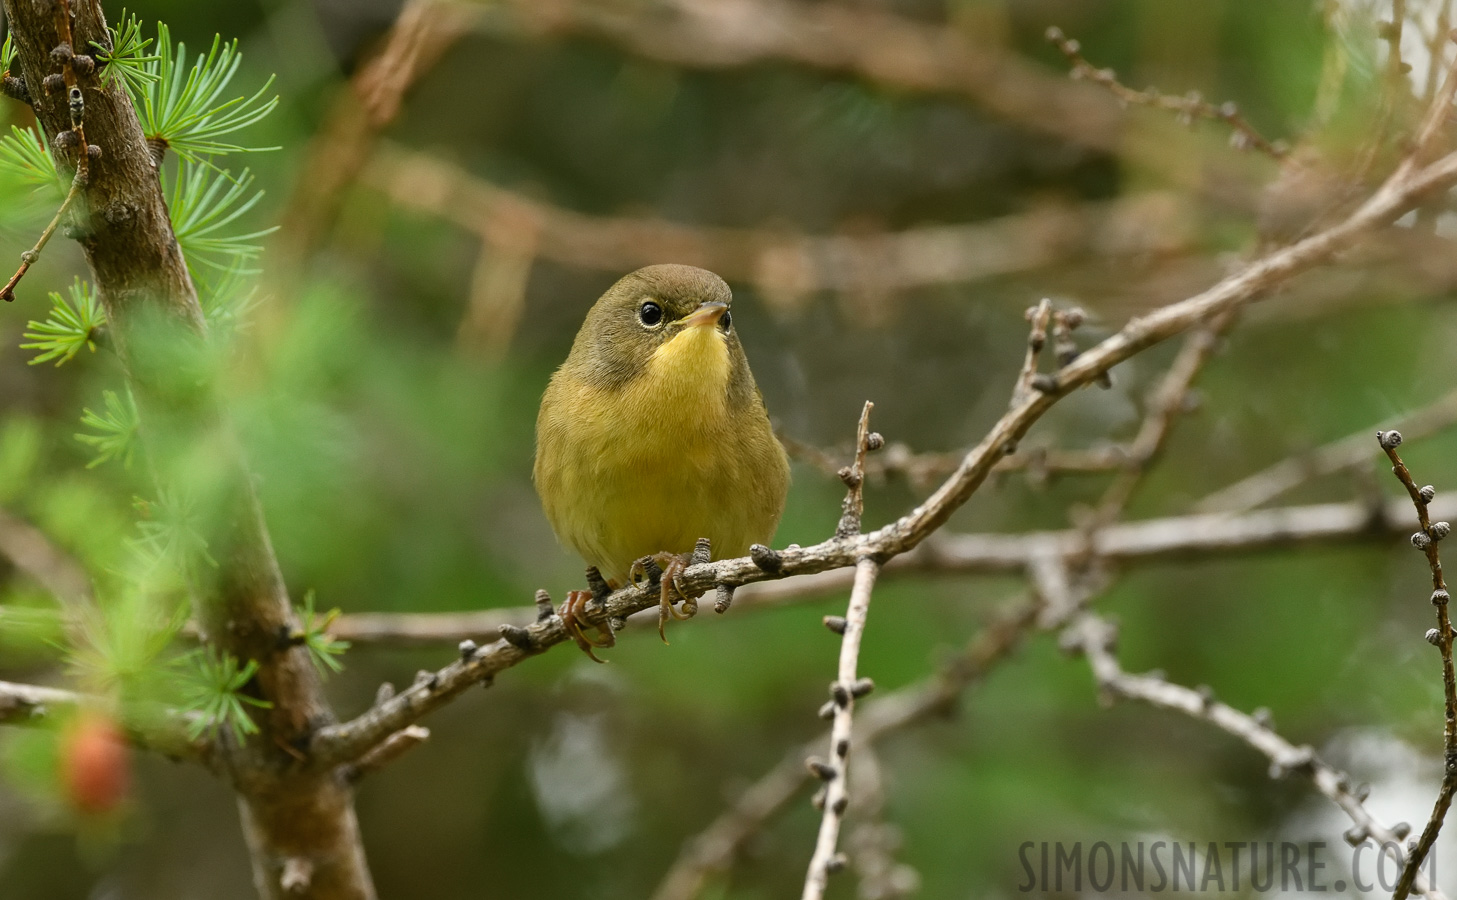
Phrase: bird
pixel 652 436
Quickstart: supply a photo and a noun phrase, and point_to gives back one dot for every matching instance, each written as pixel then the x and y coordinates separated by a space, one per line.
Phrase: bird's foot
pixel 573 618
pixel 668 569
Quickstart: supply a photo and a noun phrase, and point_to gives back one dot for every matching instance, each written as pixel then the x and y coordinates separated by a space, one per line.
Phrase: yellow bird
pixel 653 434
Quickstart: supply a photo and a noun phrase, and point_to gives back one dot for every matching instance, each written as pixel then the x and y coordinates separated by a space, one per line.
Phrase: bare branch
pixel 29 257
pixel 1095 637
pixel 864 41
pixel 20 703
pixel 421 34
pixel 1426 540
pixel 1039 315
pixel 1437 48
pixel 1396 70
pixel 1174 537
pixel 421 629
pixel 1189 107
pixel 853 476
pixel 1434 122
pixel 835 771
pixel 1165 404
pixel 164 732
pixel 34 555
pixel 395 746
pixel 712 851
pixel 1346 453
pixel 785 266
pixel 923 470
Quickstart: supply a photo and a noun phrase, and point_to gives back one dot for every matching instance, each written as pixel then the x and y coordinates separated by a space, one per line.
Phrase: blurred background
pixel 887 185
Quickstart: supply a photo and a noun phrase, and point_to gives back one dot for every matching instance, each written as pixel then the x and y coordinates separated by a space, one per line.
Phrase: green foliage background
pixel 394 469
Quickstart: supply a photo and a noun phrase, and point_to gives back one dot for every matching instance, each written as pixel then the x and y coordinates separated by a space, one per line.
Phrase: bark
pixel 299 821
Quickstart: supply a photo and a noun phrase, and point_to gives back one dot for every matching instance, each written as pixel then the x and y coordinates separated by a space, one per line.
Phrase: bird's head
pixel 669 323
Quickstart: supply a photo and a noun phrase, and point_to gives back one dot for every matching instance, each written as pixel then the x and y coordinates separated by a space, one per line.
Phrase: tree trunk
pixel 299 821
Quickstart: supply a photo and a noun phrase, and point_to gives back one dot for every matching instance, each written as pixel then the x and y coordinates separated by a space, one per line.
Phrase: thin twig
pixel 1096 639
pixel 161 731
pixel 835 771
pixel 1433 124
pixel 1165 404
pixel 498 285
pixel 421 34
pixel 1396 70
pixel 786 266
pixel 29 257
pixel 77 106
pixel 874 841
pixel 36 556
pixel 1437 43
pixel 923 470
pixel 1039 316
pixel 713 850
pixel 1426 540
pixel 1349 452
pixel 395 746
pixel 20 703
pixel 870 42
pixel 853 476
pixel 1189 107
pixel 75 99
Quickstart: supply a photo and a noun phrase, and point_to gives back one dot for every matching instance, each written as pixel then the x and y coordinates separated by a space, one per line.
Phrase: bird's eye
pixel 651 314
pixel 726 321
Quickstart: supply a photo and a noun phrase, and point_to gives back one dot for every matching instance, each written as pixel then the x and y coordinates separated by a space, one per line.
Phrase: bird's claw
pixel 668 569
pixel 573 617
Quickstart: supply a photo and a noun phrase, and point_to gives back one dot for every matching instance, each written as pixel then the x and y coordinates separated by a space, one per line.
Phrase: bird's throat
pixel 693 367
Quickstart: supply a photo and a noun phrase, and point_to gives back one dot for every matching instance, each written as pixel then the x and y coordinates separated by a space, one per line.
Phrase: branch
pixel 836 771
pixel 1040 316
pixel 1189 107
pixel 1396 70
pixel 1145 540
pixel 866 441
pixel 874 841
pixel 884 48
pixel 1176 537
pixel 1437 47
pixel 29 257
pixel 1165 404
pixel 1349 452
pixel 1096 638
pixel 783 265
pixel 834 798
pixel 164 733
pixel 33 554
pixel 395 746
pixel 423 629
pixel 713 850
pixel 1426 540
pixel 347 741
pixel 923 470
pixel 421 34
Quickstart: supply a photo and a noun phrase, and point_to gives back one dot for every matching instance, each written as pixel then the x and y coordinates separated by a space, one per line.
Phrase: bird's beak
pixel 707 314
